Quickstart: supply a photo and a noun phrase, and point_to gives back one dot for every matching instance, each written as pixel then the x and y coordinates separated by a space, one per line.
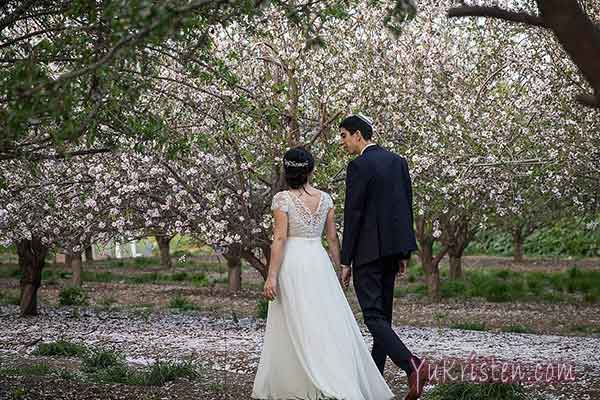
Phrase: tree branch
pixel 497 12
pixel 22 9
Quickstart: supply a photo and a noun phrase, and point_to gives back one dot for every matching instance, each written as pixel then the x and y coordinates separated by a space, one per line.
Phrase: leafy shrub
pixel 566 237
pixel 72 296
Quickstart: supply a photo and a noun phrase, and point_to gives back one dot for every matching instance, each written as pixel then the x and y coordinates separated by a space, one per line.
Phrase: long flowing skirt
pixel 313 347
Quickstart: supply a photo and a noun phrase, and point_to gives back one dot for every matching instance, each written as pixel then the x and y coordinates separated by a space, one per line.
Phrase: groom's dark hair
pixel 354 123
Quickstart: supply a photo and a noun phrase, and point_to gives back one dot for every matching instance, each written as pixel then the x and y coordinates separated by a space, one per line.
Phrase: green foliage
pixel 60 348
pixel 72 296
pixel 469 326
pixel 101 359
pixel 506 285
pixel 7 272
pixel 471 391
pixel 262 308
pixel 181 303
pixel 9 297
pixel 39 369
pixel 517 329
pixel 565 238
pixel 163 372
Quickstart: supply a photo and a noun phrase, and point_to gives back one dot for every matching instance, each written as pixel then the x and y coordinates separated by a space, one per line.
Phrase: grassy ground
pixel 495 294
pixel 538 296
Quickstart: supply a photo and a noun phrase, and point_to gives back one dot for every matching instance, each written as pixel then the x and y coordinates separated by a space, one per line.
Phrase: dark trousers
pixel 374 286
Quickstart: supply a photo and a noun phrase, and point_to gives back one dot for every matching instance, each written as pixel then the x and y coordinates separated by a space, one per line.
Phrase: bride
pixel 313 347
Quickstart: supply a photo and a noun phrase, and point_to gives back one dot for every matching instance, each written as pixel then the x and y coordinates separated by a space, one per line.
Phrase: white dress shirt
pixel 364 148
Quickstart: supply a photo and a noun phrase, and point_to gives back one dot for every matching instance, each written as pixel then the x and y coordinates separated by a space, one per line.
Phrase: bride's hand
pixel 270 290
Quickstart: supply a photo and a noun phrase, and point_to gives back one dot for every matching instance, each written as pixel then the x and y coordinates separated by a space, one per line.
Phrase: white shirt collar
pixel 364 148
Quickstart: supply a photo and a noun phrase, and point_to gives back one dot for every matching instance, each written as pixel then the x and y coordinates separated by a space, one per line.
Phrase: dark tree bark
pixel 518 240
pixel 430 262
pixel 455 271
pixel 456 237
pixel 572 27
pixel 32 259
pixel 234 264
pixel 261 265
pixel 76 269
pixel 165 251
pixel 89 254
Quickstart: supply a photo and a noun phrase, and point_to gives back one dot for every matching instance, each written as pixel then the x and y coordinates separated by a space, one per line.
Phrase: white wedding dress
pixel 313 347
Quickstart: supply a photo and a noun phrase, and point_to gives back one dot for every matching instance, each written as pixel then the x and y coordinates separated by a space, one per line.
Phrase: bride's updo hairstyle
pixel 298 163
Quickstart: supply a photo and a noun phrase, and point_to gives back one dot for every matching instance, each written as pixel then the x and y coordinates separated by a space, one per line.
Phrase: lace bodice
pixel 301 221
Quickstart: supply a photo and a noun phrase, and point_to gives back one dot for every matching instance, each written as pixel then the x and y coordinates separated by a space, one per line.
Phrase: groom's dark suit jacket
pixel 378 213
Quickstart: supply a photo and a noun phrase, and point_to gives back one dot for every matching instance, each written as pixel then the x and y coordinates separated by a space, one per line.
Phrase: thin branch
pixel 499 13
pixel 115 50
pixel 39 157
pixel 22 9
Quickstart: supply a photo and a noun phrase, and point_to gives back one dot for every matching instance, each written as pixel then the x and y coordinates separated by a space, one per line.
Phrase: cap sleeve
pixel 280 202
pixel 328 201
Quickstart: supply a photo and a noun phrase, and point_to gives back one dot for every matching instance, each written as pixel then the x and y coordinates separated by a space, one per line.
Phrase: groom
pixel 377 242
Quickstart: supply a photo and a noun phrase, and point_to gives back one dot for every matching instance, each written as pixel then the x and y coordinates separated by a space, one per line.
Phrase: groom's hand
pixel 346 274
pixel 402 268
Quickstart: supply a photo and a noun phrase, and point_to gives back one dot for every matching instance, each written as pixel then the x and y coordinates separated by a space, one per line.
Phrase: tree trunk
pixel 165 253
pixel 456 271
pixel 68 261
pixel 431 268
pixel 260 265
pixel 518 240
pixel 76 269
pixel 32 258
pixel 234 264
pixel 89 254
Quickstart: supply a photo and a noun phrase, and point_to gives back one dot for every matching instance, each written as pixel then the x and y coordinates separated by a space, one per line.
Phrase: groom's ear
pixel 359 133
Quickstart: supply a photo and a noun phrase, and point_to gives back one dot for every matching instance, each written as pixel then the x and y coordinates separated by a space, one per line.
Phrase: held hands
pixel 402 268
pixel 346 274
pixel 271 289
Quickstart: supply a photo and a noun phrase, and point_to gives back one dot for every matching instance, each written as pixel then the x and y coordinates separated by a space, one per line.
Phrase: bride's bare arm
pixel 280 226
pixel 332 237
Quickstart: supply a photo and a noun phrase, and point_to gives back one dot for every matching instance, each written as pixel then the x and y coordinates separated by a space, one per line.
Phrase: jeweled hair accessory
pixel 289 163
pixel 366 119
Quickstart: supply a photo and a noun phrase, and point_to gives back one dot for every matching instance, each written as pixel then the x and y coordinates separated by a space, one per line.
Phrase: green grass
pixel 469 326
pixel 516 328
pixel 9 271
pixel 101 359
pixel 585 329
pixel 60 348
pixel 163 372
pixel 572 285
pixel 262 308
pixel 471 391
pixel 10 297
pixel 39 369
pixel 181 303
pixel 72 296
